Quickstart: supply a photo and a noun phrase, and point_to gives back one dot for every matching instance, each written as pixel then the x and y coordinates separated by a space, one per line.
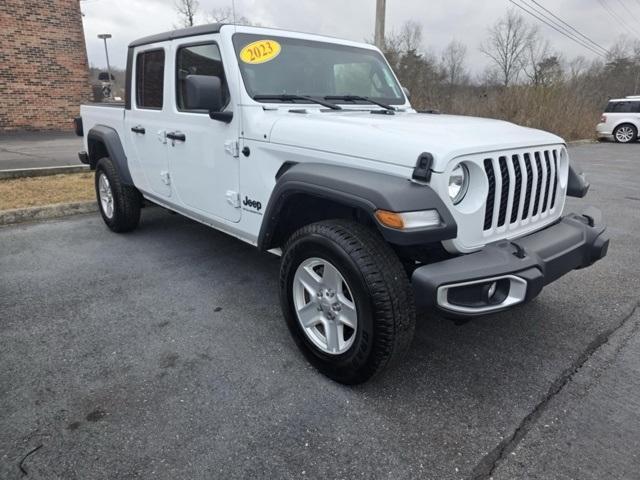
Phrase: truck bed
pixel 107 114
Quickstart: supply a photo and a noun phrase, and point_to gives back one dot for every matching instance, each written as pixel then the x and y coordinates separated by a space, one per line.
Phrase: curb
pixel 582 142
pixel 21 215
pixel 41 171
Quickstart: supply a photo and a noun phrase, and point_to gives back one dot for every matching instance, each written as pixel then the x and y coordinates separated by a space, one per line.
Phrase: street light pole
pixel 104 37
pixel 380 17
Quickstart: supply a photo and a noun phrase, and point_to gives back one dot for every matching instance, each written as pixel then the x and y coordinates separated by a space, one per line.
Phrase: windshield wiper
pixel 286 97
pixel 354 98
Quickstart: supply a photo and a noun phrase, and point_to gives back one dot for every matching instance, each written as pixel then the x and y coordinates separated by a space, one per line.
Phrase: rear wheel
pixel 119 204
pixel 625 133
pixel 346 299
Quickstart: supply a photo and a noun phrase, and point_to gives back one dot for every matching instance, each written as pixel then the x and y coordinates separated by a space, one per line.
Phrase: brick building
pixel 44 74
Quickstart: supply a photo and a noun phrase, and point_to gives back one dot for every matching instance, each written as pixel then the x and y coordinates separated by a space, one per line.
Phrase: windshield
pixel 282 65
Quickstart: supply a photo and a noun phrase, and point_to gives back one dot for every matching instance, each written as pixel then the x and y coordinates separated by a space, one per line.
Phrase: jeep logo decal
pixel 252 203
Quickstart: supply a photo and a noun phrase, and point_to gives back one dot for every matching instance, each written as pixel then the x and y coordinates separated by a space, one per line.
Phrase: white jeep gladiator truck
pixel 308 147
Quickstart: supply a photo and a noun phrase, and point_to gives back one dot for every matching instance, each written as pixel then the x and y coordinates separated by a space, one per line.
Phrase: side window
pixel 621 107
pixel 150 79
pixel 203 59
pixel 636 107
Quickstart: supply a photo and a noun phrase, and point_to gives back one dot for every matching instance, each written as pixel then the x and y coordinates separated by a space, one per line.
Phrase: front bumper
pixel 514 270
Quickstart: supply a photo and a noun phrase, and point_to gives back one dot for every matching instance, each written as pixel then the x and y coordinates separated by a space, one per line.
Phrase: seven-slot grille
pixel 522 187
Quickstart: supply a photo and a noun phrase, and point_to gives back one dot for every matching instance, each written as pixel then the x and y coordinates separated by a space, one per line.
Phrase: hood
pixel 399 139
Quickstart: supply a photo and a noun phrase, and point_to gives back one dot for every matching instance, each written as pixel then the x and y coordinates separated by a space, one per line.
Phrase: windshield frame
pixel 238 45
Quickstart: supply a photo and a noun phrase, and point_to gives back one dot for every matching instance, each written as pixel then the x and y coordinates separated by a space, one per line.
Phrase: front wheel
pixel 346 299
pixel 625 133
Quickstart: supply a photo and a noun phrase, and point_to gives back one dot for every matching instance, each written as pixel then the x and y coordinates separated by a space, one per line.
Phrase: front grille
pixel 522 187
pixel 488 214
pixel 518 188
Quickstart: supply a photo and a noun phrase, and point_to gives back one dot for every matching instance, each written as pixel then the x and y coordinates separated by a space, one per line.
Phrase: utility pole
pixel 380 15
pixel 105 36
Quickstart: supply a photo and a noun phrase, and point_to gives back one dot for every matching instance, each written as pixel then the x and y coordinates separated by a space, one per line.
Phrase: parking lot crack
pixel 15 152
pixel 24 458
pixel 488 464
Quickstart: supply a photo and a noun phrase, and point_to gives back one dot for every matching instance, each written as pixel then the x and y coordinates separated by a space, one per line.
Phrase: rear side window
pixel 622 107
pixel 203 59
pixel 150 79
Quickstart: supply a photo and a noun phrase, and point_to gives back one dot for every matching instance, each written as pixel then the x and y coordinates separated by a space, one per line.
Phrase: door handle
pixel 177 136
pixel 138 129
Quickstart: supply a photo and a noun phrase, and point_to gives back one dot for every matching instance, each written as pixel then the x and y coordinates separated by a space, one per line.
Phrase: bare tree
pixel 220 15
pixel 453 63
pixel 550 71
pixel 537 51
pixel 226 15
pixel 507 44
pixel 397 44
pixel 411 36
pixel 187 10
pixel 416 68
pixel 577 67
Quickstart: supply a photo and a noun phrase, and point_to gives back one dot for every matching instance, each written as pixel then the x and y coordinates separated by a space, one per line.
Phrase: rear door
pixel 146 122
pixel 203 164
pixel 635 108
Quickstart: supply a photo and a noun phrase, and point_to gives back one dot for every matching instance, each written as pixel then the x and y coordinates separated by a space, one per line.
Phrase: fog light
pixel 482 295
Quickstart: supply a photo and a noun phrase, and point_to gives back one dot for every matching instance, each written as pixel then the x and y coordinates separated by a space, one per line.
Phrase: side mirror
pixel 407 93
pixel 204 92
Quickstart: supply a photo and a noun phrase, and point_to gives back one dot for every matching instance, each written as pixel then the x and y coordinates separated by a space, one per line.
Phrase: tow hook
pixel 520 251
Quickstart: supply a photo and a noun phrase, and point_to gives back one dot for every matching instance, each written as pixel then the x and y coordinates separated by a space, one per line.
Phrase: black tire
pixel 381 292
pixel 625 139
pixel 127 200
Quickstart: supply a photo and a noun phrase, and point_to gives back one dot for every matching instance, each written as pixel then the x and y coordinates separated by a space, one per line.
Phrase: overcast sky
pixel 442 21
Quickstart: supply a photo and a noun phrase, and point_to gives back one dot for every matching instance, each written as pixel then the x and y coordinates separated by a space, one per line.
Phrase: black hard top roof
pixel 180 33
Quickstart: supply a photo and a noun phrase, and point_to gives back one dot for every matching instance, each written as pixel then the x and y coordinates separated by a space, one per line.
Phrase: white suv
pixel 621 120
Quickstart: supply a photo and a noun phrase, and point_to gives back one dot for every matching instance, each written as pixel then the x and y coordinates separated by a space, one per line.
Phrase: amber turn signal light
pixel 390 219
pixel 408 220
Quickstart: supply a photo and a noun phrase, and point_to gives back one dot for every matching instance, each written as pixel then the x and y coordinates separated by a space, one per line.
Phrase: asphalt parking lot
pixel 162 354
pixel 39 149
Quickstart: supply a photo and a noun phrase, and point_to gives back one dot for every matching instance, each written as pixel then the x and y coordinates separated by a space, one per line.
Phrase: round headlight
pixel 458 183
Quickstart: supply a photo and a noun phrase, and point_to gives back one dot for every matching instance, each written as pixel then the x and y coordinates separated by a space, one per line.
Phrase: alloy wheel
pixel 624 134
pixel 325 306
pixel 106 195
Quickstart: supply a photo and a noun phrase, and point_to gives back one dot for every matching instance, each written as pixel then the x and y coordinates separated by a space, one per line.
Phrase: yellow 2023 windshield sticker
pixel 261 51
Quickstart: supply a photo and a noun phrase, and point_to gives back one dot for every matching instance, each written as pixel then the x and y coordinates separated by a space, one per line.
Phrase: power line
pixel 628 10
pixel 574 29
pixel 616 17
pixel 550 22
pixel 562 31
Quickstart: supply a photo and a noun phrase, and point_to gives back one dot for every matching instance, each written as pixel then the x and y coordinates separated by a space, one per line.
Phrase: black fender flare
pixel 109 137
pixel 363 189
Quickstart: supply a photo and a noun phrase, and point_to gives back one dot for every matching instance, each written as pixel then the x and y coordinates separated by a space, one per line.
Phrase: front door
pixel 203 164
pixel 146 121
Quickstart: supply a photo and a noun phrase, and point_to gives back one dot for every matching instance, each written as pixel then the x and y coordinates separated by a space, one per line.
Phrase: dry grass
pixel 49 190
pixel 558 109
